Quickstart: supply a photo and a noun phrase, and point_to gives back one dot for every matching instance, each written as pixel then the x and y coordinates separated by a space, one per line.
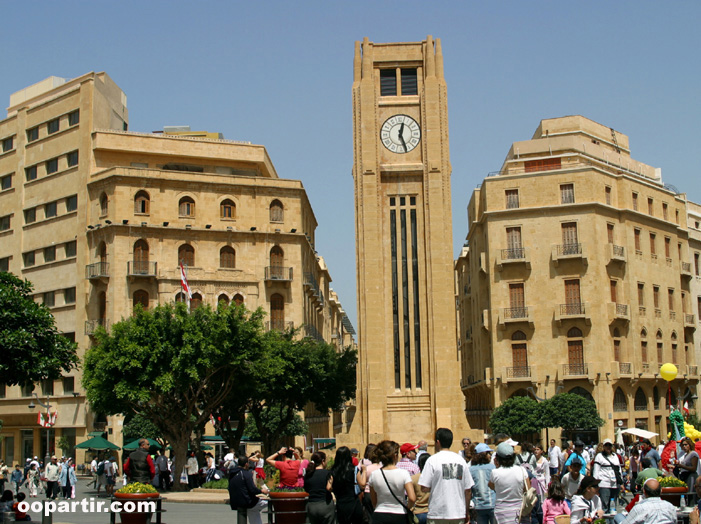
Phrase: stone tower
pixel 409 367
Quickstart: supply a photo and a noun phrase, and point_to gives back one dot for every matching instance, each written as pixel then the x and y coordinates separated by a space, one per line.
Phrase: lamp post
pixel 532 392
pixel 47 457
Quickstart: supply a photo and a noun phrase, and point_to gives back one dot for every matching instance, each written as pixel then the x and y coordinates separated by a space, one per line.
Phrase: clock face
pixel 400 133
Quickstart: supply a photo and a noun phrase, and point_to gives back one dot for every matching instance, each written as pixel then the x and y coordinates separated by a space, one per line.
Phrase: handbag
pixel 410 517
pixel 616 471
pixel 530 497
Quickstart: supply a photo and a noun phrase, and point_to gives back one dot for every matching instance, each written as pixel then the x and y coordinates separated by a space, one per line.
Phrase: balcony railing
pixel 140 268
pixel 97 270
pixel 693 370
pixel 646 367
pixel 689 320
pixel 574 309
pixel 279 325
pixel 91 326
pixel 625 368
pixel 575 369
pixel 278 273
pixel 569 249
pixel 518 372
pixel 622 310
pixel 513 253
pixel 513 313
pixel 311 331
pixel 619 251
pixel 686 269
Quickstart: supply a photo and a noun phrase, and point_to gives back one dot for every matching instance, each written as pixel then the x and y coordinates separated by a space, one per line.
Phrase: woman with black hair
pixel 317 482
pixel 347 482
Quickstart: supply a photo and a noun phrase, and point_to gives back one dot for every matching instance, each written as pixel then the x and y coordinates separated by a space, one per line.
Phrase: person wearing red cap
pixel 407 463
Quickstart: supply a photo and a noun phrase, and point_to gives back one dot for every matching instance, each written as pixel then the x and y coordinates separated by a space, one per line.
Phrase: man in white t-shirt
pixel 447 478
pixel 554 457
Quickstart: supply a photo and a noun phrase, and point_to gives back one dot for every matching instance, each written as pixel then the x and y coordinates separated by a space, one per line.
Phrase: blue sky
pixel 279 74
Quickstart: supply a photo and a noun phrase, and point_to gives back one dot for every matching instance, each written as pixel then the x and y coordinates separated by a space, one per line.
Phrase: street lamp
pixel 47 457
pixel 532 392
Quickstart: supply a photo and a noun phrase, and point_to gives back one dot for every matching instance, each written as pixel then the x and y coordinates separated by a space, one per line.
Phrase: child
pixel 20 515
pixel 555 504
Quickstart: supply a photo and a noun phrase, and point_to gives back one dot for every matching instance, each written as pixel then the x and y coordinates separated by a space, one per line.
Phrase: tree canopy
pixel 31 346
pixel 516 416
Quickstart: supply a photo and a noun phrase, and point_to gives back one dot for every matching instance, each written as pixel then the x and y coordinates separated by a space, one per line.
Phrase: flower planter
pixel 135 518
pixel 673 495
pixel 289 507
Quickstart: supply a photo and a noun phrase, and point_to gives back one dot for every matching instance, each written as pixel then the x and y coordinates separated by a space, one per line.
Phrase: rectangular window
pixel 50 210
pixel 51 166
pixel 696 264
pixel 30 173
pixel 608 195
pixel 650 204
pixel 635 201
pixel 512 199
pixel 656 296
pixel 47 387
pixel 33 134
pixel 569 234
pixel 68 385
pixel 72 158
pixel 50 254
pixel 6 182
pixel 5 223
pixel 547 164
pixel 5 264
pixel 667 247
pixel 409 82
pixel 8 144
pixel 660 352
pixel 614 294
pixel 653 249
pixel 641 294
pixel 388 82
pixel 637 241
pixel 52 126
pixel 74 117
pixel 609 233
pixel 3 392
pixel 617 350
pixel 643 351
pixel 572 296
pixel 69 295
pixel 71 203
pixel 517 298
pixel 49 299
pixel 664 211
pixel 567 193
pixel 30 215
pixel 670 299
pixel 70 249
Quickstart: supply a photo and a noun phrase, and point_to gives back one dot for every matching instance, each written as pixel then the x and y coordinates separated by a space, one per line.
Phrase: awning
pixel 639 432
pixel 98 444
pixel 135 444
pixel 325 440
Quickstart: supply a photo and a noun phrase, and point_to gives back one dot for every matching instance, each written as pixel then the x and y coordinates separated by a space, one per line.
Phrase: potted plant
pixel 672 489
pixel 135 492
pixel 290 504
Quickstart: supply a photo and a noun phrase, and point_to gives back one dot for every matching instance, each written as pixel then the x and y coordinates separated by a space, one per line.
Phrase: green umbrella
pixel 98 444
pixel 135 444
pixel 202 447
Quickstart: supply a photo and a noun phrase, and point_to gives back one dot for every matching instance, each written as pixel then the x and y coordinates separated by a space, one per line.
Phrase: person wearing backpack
pixel 607 470
pixel 100 472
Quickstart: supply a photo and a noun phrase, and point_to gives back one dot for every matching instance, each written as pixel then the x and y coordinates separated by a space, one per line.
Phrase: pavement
pixel 201 505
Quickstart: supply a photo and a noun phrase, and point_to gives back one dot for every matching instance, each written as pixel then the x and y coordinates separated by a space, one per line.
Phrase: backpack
pixel 101 468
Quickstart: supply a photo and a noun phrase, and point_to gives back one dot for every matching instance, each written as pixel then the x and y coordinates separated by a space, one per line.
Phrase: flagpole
pixel 187 295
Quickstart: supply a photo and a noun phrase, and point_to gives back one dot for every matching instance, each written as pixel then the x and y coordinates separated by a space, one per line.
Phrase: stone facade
pixel 408 361
pixel 575 277
pixel 99 219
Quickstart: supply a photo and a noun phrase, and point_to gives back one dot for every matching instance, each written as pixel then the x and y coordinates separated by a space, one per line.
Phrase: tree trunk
pixel 180 446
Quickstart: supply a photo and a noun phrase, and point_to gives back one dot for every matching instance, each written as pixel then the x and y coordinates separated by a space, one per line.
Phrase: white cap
pixel 511 442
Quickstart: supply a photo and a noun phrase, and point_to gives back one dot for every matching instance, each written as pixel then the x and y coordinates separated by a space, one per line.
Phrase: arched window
pixel 238 299
pixel 277 312
pixel 582 393
pixel 227 257
pixel 620 403
pixel 180 297
pixel 141 297
pixel 655 398
pixel 104 205
pixel 141 257
pixel 277 256
pixel 141 203
pixel 643 333
pixel 520 393
pixel 276 211
pixel 640 402
pixel 223 299
pixel 186 207
pixel 195 301
pixel 575 352
pixel 227 209
pixel 186 255
pixel 519 355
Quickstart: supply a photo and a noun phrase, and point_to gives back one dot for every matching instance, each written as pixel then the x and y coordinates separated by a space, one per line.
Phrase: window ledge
pixel 8 152
pixel 8 190
pixel 52 135
pixel 63 307
pixel 52 175
pixel 48 265
pixel 6 233
pixel 52 219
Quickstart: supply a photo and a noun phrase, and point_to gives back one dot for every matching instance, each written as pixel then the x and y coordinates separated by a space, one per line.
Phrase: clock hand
pixel 401 137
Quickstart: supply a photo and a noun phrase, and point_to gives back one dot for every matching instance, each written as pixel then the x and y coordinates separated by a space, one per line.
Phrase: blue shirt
pixel 482 496
pixel 653 456
pixel 574 455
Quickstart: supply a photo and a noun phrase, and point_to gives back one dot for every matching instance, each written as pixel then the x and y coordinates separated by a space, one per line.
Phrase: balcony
pixel 574 311
pixel 618 312
pixel 513 255
pixel 91 326
pixel 564 252
pixel 139 268
pixel 693 370
pixel 686 269
pixel 575 370
pixel 645 368
pixel 616 254
pixel 278 273
pixel 518 372
pixel 279 325
pixel 689 321
pixel 625 368
pixel 311 331
pixel 511 315
pixel 98 270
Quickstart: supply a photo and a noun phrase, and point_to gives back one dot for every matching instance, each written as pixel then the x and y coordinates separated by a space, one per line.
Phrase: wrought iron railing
pixel 97 270
pixel 575 369
pixel 693 370
pixel 686 267
pixel 625 368
pixel 518 372
pixel 569 249
pixel 689 319
pixel 311 331
pixel 619 251
pixel 278 273
pixel 513 253
pixel 576 308
pixel 141 268
pixel 515 312
pixel 622 310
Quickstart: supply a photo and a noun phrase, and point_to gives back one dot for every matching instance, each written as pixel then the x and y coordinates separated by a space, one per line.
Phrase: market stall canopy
pixel 639 432
pixel 98 444
pixel 135 444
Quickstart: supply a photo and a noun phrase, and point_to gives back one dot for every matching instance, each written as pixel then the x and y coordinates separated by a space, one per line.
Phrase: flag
pixel 686 408
pixel 183 282
pixel 48 421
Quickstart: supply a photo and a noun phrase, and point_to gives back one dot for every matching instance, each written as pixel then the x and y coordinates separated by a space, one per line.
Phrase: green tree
pixel 270 417
pixel 31 346
pixel 517 416
pixel 570 412
pixel 172 367
pixel 137 425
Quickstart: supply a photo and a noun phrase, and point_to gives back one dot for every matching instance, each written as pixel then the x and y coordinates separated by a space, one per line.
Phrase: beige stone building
pixel 694 310
pixel 408 377
pixel 99 219
pixel 576 277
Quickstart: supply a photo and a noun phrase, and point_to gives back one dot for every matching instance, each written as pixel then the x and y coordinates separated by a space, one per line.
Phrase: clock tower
pixel 409 366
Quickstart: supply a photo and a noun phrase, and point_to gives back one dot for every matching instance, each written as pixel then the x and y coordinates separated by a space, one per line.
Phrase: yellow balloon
pixel 668 372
